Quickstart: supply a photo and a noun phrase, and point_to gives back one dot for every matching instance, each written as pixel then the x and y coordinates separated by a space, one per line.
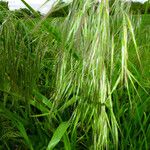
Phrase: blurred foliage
pixel 60 10
pixel 4 5
pixel 3 10
pixel 137 7
pixel 22 12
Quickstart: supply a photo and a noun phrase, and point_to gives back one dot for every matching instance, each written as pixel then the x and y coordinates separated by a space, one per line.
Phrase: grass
pixel 80 82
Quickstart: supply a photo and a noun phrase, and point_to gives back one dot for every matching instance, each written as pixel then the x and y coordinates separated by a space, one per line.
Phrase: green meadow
pixel 80 82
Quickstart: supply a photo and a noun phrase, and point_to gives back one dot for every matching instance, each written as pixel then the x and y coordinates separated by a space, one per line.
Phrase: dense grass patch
pixel 80 82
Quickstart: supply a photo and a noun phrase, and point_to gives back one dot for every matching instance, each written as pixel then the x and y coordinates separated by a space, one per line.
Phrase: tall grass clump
pixel 26 64
pixel 95 72
pixel 75 82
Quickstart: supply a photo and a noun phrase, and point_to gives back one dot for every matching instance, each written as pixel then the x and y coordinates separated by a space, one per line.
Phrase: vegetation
pixel 137 7
pixel 4 5
pixel 76 82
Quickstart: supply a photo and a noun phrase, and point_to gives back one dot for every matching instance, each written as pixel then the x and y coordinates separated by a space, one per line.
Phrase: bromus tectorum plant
pixel 87 69
pixel 75 83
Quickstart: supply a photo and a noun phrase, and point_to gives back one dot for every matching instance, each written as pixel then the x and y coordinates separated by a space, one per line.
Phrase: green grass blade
pixel 24 134
pixel 30 8
pixel 58 134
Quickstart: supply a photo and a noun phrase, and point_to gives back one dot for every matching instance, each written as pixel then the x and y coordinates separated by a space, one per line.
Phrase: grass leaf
pixel 58 134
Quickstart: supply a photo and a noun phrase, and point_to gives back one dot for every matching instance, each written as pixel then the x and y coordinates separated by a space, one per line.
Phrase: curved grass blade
pixel 24 134
pixel 58 134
